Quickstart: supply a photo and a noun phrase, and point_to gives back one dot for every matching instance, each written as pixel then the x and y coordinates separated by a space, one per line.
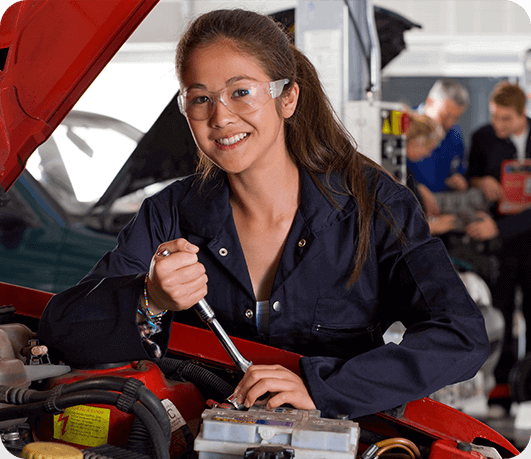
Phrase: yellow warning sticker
pixel 82 425
pixel 386 128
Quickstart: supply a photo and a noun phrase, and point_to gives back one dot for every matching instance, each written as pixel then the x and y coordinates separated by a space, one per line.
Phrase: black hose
pixel 139 440
pixel 91 397
pixel 116 383
pixel 179 370
pixel 112 383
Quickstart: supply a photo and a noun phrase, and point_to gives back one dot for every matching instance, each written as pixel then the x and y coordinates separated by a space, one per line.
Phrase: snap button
pixel 302 242
pixel 276 306
pixel 223 252
pixel 249 314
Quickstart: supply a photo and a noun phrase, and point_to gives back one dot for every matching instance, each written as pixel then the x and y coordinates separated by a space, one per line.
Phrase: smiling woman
pixel 246 123
pixel 295 238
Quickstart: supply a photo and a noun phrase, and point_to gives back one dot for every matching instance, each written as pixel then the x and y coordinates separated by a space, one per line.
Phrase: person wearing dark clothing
pixel 444 169
pixel 294 238
pixel 505 138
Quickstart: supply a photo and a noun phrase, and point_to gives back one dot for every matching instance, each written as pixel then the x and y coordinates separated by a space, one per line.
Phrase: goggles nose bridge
pixel 215 97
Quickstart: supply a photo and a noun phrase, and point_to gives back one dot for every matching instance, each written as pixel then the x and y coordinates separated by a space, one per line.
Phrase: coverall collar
pixel 205 212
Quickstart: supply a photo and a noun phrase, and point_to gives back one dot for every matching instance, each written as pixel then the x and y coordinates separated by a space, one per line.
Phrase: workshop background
pixel 477 42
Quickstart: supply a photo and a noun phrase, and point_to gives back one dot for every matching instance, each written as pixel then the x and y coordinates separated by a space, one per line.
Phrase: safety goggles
pixel 240 98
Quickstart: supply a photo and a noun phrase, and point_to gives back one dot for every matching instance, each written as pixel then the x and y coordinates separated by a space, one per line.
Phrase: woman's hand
pixel 177 281
pixel 283 385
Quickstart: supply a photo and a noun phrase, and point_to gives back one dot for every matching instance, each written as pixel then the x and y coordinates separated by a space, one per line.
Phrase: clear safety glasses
pixel 240 98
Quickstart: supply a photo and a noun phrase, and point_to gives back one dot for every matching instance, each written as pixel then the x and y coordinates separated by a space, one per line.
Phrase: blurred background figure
pixel 423 137
pixel 445 168
pixel 505 138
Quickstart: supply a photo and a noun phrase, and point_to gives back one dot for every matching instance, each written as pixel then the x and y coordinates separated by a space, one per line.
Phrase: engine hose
pixel 93 397
pixel 187 370
pixel 113 383
pixel 139 440
pixel 116 383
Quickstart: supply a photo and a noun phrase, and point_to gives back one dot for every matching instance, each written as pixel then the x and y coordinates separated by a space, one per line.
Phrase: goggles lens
pixel 240 98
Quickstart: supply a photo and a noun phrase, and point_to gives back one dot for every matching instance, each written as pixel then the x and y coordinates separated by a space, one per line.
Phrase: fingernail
pixel 191 247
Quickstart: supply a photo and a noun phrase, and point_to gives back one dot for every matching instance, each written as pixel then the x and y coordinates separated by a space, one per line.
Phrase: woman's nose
pixel 221 115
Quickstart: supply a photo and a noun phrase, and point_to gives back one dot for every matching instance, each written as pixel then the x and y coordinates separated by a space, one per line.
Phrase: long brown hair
pixel 315 137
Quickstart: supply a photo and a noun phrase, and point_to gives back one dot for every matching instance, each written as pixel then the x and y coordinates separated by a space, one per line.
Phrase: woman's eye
pixel 198 100
pixel 241 92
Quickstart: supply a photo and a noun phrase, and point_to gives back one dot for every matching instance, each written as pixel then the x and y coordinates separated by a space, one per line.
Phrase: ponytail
pixel 321 144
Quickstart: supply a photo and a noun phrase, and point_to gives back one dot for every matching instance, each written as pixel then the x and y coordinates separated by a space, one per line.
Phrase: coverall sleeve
pixel 445 341
pixel 94 322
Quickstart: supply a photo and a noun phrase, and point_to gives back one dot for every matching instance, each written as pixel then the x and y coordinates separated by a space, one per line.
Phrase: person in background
pixel 423 136
pixel 295 238
pixel 444 169
pixel 506 137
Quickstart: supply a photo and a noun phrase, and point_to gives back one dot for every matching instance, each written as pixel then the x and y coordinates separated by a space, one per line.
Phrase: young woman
pixel 296 239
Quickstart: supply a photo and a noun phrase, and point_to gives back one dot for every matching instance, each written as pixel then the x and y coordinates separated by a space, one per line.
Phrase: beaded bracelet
pixel 145 310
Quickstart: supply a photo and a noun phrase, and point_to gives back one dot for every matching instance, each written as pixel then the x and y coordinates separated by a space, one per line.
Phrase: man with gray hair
pixel 445 168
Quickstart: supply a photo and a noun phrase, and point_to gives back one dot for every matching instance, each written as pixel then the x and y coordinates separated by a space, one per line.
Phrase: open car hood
pixel 72 40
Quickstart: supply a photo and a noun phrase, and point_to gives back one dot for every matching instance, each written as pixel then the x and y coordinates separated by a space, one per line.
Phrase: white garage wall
pixel 140 80
pixel 459 37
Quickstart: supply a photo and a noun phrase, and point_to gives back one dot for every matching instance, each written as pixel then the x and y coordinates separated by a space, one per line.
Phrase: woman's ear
pixel 289 101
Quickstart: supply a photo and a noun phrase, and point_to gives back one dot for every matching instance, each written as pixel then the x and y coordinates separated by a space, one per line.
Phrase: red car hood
pixel 50 53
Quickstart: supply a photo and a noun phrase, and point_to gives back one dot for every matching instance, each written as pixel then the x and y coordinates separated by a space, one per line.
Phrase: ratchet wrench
pixel 208 316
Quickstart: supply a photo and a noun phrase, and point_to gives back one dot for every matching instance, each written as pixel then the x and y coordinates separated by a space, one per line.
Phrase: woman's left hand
pixel 283 385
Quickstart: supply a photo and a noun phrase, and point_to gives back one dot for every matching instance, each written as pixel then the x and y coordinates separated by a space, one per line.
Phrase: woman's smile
pixel 231 141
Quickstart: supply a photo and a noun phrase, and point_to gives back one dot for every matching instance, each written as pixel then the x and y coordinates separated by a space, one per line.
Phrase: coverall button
pixel 276 306
pixel 223 252
pixel 302 242
pixel 249 314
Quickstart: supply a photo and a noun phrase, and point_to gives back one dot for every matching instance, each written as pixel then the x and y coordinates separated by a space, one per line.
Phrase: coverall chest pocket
pixel 341 329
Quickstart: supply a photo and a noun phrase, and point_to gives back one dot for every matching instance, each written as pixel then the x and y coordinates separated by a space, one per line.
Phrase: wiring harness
pixel 379 449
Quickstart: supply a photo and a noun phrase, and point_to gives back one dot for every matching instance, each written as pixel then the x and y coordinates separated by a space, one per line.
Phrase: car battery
pixel 232 434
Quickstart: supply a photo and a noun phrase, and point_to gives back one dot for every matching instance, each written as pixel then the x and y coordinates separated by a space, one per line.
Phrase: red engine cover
pixel 94 424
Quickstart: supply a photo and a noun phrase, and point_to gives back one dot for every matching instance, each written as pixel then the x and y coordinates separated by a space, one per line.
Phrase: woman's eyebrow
pixel 239 78
pixel 230 81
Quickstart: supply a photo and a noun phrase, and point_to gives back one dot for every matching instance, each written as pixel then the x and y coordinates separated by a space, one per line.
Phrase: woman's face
pixel 235 142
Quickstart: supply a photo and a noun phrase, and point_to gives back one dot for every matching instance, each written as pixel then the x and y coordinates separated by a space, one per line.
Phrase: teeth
pixel 232 140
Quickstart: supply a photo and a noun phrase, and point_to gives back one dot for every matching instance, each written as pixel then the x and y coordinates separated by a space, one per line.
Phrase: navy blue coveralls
pixel 339 330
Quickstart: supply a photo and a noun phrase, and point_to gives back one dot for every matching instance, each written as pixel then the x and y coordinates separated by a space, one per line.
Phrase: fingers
pixel 482 215
pixel 483 229
pixel 177 245
pixel 177 280
pixel 491 188
pixel 457 182
pixel 281 384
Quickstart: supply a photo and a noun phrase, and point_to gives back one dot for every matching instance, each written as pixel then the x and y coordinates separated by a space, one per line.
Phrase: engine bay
pixel 178 407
